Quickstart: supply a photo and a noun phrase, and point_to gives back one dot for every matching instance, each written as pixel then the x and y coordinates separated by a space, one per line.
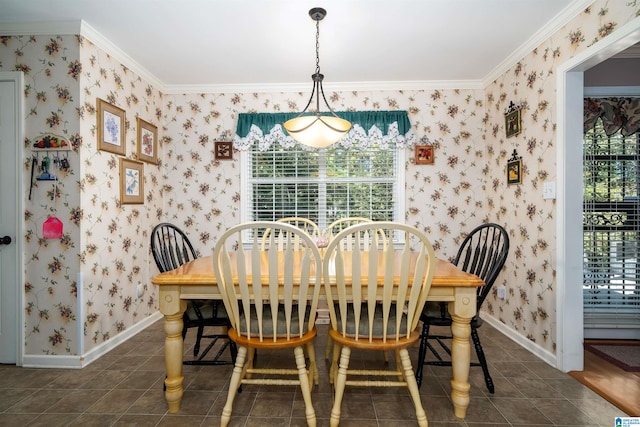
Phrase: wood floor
pixel 619 387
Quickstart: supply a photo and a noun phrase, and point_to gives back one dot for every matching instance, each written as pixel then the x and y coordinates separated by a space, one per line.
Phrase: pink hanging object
pixel 52 228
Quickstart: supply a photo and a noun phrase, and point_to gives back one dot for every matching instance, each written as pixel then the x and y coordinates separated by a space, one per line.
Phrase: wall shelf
pixel 50 142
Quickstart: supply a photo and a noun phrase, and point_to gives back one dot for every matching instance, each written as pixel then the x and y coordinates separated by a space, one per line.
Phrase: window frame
pixel 399 193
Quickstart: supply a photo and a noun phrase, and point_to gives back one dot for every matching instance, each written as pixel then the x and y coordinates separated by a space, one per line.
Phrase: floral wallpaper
pixel 106 243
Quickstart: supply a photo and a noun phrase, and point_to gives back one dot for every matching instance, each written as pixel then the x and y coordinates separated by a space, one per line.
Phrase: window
pixel 323 185
pixel 611 221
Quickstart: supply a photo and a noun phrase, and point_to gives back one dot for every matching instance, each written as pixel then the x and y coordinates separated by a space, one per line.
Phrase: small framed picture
pixel 131 182
pixel 223 150
pixel 147 142
pixel 514 171
pixel 111 128
pixel 424 154
pixel 513 122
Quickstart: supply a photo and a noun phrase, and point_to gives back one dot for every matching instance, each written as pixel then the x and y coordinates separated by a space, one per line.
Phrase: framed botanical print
pixel 147 142
pixel 111 128
pixel 131 182
pixel 223 150
pixel 513 120
pixel 424 154
pixel 514 171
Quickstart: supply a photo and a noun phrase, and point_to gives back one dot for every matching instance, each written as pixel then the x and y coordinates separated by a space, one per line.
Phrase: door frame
pixel 570 94
pixel 17 78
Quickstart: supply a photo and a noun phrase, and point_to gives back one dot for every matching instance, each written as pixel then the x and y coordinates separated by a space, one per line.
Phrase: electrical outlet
pixel 502 292
pixel 139 290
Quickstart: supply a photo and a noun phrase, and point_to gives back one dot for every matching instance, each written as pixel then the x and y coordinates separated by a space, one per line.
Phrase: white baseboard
pixel 534 348
pixel 79 362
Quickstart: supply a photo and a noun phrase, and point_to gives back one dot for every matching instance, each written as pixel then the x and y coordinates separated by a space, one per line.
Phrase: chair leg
pixel 305 385
pixel 422 352
pixel 396 355
pixel 250 360
pixel 483 360
pixel 234 384
pixel 314 376
pixel 327 348
pixel 333 370
pixel 410 379
pixel 196 347
pixel 339 384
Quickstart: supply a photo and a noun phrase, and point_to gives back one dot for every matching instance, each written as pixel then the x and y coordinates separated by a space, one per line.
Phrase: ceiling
pixel 270 43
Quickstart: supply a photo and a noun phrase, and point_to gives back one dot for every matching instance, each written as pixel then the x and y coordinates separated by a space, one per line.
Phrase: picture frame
pixel 424 154
pixel 131 182
pixel 111 128
pixel 147 136
pixel 514 171
pixel 223 150
pixel 513 120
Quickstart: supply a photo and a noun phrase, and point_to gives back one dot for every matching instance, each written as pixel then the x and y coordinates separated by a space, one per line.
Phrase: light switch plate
pixel 549 190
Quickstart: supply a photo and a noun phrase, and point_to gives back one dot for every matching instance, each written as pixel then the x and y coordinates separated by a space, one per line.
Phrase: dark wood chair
pixel 483 253
pixel 171 248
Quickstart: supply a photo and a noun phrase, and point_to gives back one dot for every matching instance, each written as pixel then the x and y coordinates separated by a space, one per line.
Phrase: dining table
pixel 196 280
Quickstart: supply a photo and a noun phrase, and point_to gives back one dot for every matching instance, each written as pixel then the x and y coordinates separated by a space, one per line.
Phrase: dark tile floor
pixel 124 387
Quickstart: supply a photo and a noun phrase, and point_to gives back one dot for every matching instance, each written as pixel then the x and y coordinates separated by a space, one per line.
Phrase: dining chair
pixel 271 293
pixel 171 248
pixel 340 224
pixel 483 253
pixel 332 230
pixel 375 298
pixel 305 224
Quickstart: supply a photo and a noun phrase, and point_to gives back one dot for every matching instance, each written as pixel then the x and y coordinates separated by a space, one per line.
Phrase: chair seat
pixel 378 326
pixel 267 324
pixel 209 310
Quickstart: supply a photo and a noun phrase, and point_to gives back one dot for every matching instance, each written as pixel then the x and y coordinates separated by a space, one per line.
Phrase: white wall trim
pixel 603 91
pixel 570 93
pixel 79 362
pixel 566 15
pixel 520 339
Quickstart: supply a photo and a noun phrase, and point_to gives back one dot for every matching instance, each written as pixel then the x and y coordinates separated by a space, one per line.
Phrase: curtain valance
pixel 369 128
pixel 621 114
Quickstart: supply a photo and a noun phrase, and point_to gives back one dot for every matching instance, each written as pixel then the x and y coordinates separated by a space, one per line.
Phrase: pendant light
pixel 315 129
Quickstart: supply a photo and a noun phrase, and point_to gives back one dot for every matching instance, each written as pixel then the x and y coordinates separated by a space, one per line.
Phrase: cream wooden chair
pixel 380 308
pixel 340 224
pixel 305 224
pixel 271 297
pixel 336 227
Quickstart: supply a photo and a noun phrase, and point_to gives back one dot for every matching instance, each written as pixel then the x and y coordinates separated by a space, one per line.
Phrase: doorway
pixel 11 149
pixel 570 92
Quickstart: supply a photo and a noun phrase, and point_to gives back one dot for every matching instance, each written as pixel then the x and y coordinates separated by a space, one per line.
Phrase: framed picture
pixel 131 182
pixel 147 142
pixel 424 154
pixel 111 127
pixel 514 171
pixel 513 121
pixel 223 150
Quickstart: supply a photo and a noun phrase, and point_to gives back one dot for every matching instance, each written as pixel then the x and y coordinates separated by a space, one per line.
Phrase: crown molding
pixel 114 51
pixel 338 87
pixel 544 33
pixel 85 30
pixel 39 28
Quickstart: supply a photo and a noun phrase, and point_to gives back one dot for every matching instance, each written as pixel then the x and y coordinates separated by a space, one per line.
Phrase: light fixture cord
pixel 318 46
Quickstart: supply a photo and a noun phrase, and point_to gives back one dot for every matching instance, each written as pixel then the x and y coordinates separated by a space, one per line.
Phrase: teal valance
pixel 369 128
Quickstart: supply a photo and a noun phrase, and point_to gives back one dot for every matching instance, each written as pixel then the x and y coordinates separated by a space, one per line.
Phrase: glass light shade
pixel 317 131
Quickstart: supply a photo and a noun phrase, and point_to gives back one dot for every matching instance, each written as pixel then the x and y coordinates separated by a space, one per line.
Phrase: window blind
pixel 322 185
pixel 611 218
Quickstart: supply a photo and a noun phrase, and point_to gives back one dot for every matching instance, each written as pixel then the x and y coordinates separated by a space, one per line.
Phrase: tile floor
pixel 124 387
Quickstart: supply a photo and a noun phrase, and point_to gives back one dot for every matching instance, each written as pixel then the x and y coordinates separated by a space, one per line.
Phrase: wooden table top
pixel 200 273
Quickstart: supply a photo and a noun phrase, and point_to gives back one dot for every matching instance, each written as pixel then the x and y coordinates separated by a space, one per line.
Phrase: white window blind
pixel 323 185
pixel 611 230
